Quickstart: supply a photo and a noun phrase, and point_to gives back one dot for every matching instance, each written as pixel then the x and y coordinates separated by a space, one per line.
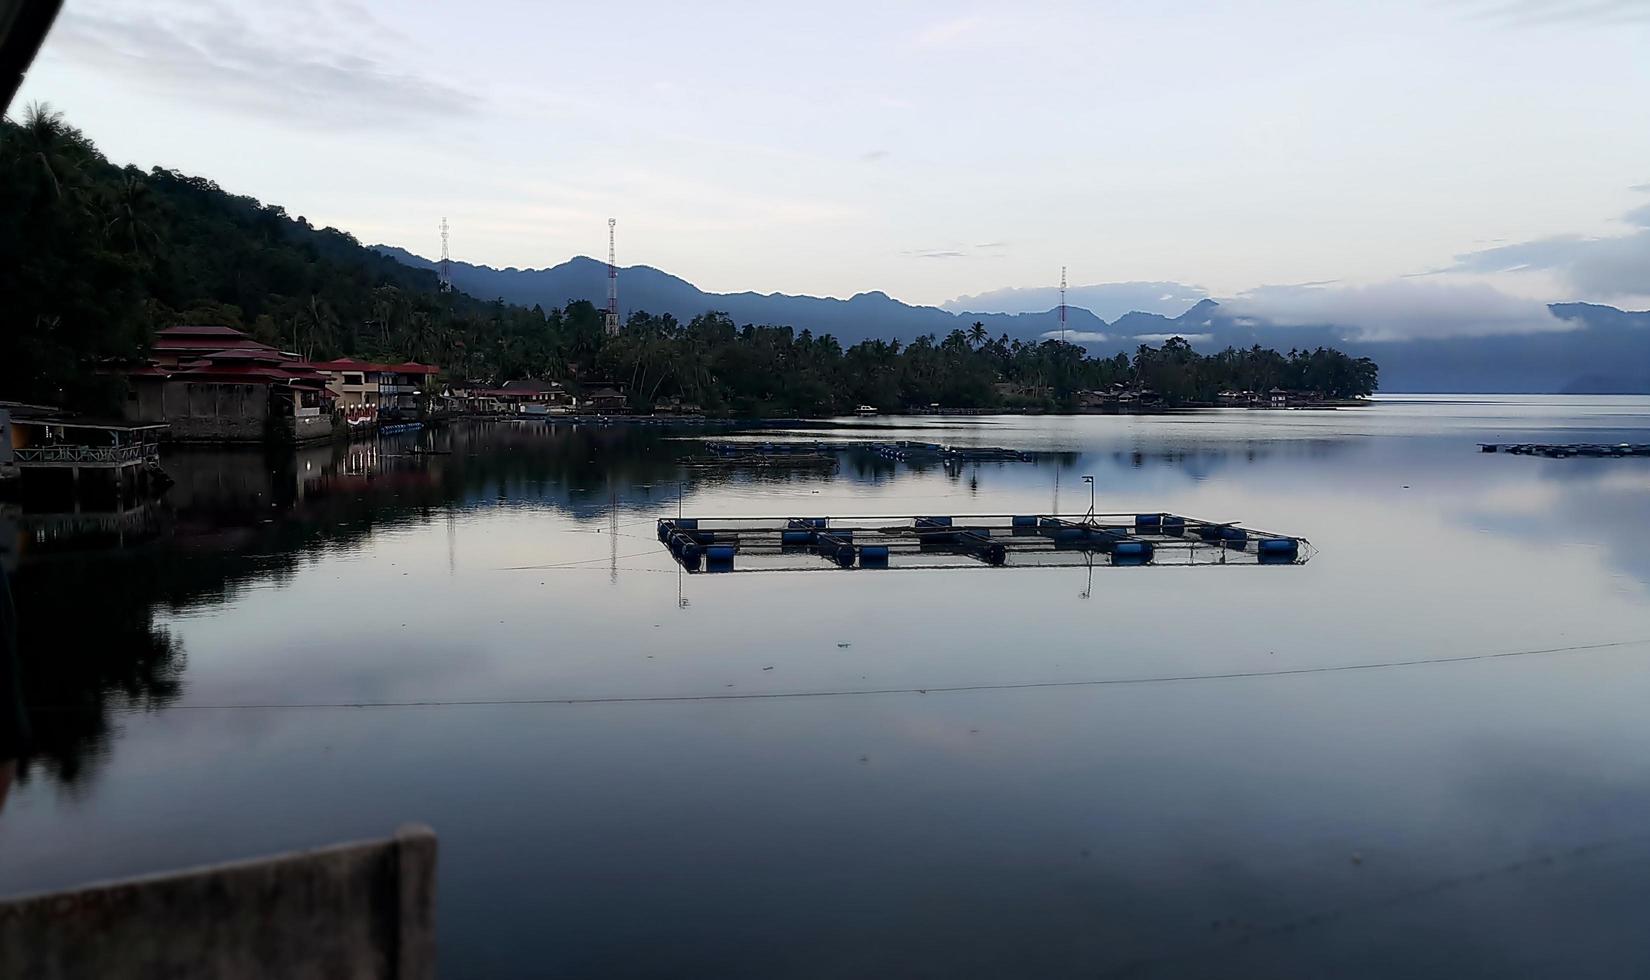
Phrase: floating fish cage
pixel 907 451
pixel 902 450
pixel 1564 450
pixel 938 541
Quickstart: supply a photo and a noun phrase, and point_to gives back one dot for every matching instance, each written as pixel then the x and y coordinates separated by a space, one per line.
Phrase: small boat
pixel 865 410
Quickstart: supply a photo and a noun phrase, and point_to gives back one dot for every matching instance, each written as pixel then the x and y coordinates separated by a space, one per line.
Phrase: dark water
pixel 191 669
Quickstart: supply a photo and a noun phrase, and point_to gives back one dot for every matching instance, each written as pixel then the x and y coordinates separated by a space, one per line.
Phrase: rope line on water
pixel 573 564
pixel 868 692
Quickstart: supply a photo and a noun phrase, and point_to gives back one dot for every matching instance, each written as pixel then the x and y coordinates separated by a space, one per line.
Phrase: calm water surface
pixel 192 675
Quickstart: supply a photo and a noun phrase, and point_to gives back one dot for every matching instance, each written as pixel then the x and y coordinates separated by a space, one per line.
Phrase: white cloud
pixel 299 65
pixel 1606 268
pixel 1401 309
pixel 1190 338
pixel 1078 336
pixel 948 33
pixel 1106 300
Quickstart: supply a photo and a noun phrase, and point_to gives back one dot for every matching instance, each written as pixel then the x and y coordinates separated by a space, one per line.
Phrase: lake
pixel 1421 754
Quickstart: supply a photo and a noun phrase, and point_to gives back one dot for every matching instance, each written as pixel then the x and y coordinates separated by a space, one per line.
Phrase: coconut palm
pixel 131 211
pixel 47 146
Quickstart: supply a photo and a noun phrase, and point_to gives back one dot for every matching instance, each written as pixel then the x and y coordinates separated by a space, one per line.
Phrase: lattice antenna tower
pixel 1062 304
pixel 612 324
pixel 446 260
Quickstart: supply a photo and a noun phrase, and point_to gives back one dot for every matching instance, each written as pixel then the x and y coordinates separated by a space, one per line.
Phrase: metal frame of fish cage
pixel 726 544
pixel 1564 450
pixel 903 450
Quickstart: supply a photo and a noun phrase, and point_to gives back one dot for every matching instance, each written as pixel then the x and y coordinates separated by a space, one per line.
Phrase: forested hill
pixel 94 257
pixel 1603 349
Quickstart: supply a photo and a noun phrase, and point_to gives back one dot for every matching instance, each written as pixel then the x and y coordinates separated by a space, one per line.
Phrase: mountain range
pixel 1606 352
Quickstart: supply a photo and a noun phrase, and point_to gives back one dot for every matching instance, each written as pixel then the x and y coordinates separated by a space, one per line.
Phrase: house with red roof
pixel 216 384
pixel 367 391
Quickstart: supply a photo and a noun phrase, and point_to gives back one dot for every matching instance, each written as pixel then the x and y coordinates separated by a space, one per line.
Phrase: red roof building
pixel 175 344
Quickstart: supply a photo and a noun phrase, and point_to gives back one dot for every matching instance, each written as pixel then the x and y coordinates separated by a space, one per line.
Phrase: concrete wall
pixel 207 411
pixel 312 427
pixel 361 910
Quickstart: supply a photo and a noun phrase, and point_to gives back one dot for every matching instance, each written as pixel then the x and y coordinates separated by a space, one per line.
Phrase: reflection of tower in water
pixel 612 532
pixel 452 542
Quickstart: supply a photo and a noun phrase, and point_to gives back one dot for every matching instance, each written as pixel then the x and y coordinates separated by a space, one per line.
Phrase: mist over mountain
pixel 1605 351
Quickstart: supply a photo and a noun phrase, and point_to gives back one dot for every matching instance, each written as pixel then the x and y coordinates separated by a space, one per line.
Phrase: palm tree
pixel 420 336
pixel 386 307
pixel 45 143
pixel 322 327
pixel 131 208
pixel 977 334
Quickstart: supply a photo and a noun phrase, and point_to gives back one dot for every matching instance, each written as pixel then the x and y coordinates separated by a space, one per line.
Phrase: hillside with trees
pixel 95 257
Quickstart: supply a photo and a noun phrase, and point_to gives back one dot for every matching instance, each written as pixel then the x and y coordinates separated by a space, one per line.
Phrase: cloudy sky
pixel 1410 166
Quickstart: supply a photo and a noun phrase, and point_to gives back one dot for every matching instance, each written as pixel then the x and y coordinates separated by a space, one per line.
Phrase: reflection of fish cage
pixel 937 541
pixel 905 451
pixel 767 461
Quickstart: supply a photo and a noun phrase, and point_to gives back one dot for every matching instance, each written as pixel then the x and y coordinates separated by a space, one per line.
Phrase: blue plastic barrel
pixel 1174 525
pixel 1132 553
pixel 1148 523
pixel 873 556
pixel 719 552
pixel 796 537
pixel 1024 520
pixel 1277 550
pixel 1234 537
pixel 1210 532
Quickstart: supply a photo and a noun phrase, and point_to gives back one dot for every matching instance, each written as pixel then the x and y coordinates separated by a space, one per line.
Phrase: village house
pixel 605 400
pixel 236 395
pixel 367 392
pixel 529 396
pixel 216 384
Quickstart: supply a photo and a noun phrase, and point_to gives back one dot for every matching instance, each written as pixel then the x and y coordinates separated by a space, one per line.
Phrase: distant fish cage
pixel 1564 450
pixel 901 450
pixel 937 541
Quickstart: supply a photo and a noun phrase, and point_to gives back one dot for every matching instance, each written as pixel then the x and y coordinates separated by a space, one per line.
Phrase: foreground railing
pixel 86 454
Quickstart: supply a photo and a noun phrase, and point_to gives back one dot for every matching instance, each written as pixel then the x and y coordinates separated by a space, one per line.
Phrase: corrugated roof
pixel 200 331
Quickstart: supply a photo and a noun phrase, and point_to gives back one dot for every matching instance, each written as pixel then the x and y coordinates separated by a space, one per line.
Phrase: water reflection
pixel 1307 824
pixel 87 644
